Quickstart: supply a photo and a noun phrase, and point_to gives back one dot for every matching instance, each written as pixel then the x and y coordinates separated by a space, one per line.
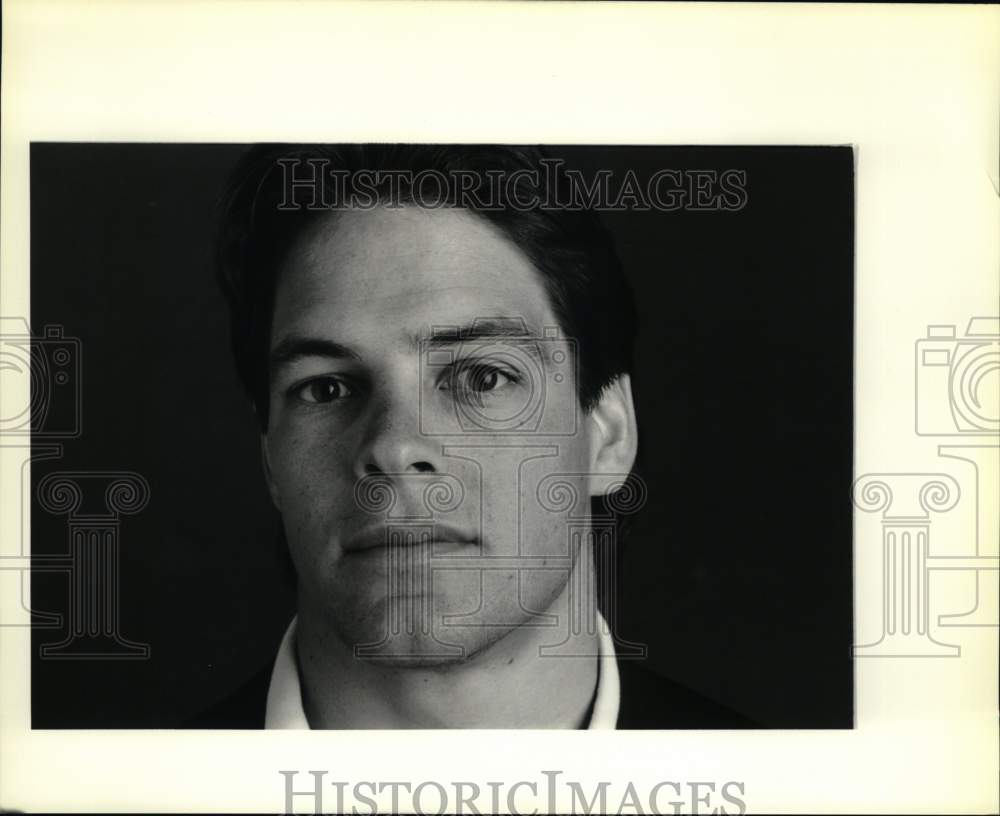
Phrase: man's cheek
pixel 316 495
pixel 312 529
pixel 304 456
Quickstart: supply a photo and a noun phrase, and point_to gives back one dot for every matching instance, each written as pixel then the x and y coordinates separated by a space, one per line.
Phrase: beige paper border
pixel 914 88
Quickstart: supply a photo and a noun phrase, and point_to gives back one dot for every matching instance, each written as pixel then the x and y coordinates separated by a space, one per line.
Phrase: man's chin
pixel 450 628
pixel 403 662
pixel 451 648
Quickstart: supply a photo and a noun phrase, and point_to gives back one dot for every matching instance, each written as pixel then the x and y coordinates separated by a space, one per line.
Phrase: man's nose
pixel 393 442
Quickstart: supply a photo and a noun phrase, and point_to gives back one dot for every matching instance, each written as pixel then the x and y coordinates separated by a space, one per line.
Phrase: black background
pixel 738 575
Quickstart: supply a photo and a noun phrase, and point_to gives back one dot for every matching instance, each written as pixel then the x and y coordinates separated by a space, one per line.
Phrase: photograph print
pixel 440 436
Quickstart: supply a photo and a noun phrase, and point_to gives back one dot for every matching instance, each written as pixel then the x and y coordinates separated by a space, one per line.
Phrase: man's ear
pixel 265 459
pixel 614 436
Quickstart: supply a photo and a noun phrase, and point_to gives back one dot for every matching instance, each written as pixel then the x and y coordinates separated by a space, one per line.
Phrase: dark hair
pixel 263 214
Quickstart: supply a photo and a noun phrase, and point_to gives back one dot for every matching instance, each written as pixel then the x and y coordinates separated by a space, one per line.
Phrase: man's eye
pixel 322 390
pixel 481 377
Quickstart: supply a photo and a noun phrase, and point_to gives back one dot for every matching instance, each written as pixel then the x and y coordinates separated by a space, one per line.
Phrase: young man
pixel 438 346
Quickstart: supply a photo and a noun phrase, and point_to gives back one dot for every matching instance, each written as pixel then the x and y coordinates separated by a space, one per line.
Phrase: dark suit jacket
pixel 647 701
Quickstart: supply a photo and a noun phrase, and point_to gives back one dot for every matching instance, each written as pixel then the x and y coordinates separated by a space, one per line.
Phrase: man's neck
pixel 507 685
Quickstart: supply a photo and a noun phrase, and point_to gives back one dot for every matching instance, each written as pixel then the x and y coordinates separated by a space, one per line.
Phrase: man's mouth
pixel 439 539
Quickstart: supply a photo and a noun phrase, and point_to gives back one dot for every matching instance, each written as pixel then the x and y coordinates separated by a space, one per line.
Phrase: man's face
pixel 393 370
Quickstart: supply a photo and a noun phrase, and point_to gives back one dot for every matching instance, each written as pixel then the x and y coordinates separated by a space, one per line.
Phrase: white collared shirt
pixel 284 695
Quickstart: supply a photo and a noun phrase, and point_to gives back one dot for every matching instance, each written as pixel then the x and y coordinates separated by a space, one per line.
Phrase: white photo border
pixel 913 88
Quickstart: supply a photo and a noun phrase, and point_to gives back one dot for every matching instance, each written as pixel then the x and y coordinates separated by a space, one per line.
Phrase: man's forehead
pixel 390 249
pixel 366 273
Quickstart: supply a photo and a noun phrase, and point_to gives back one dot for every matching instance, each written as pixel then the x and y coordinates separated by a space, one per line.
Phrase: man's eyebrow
pixel 295 347
pixel 479 329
